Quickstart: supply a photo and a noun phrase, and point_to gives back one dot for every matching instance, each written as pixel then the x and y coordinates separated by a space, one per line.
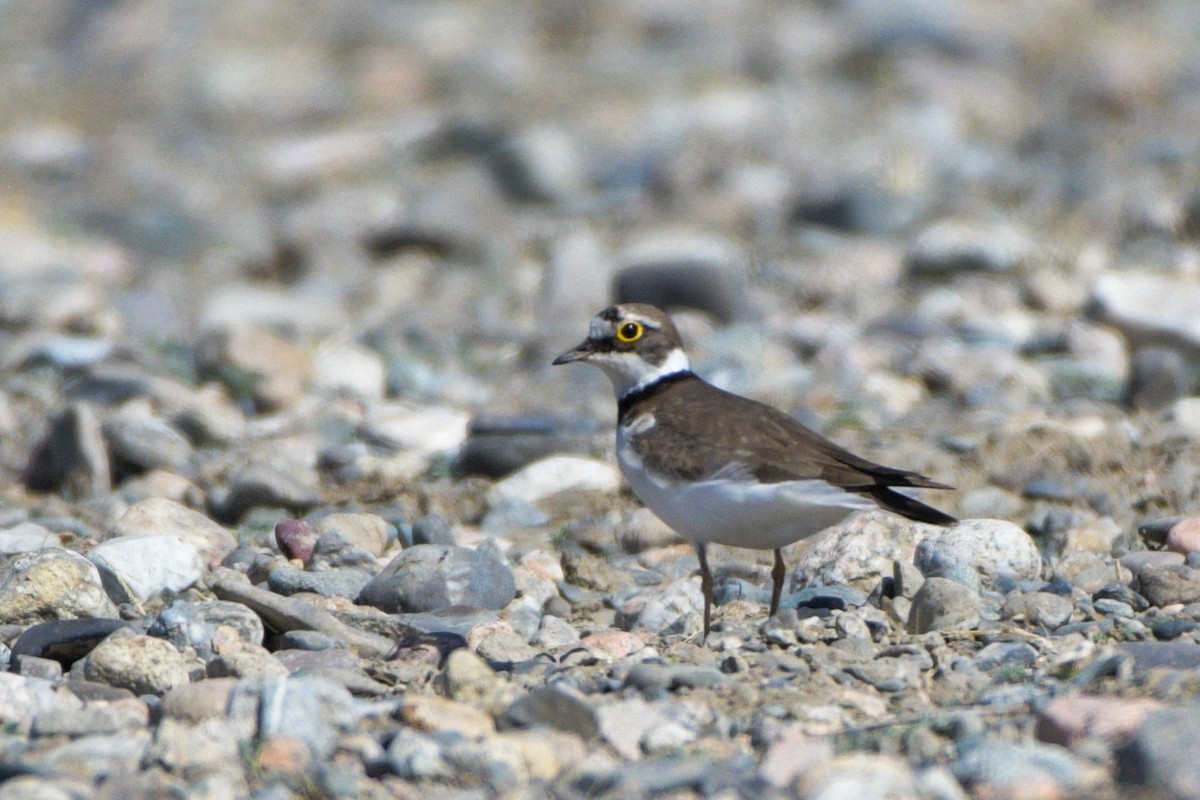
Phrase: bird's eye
pixel 629 332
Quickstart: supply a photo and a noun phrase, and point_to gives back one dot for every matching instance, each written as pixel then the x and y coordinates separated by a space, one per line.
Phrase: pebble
pixel 144 567
pixel 550 476
pixel 159 517
pixel 142 664
pixel 1041 609
pixel 429 577
pixel 1163 586
pixel 551 707
pixel 26 537
pixel 943 604
pixel 1069 720
pixel 51 584
pixel 1163 755
pixel 1184 536
pixel 993 548
pixel 860 551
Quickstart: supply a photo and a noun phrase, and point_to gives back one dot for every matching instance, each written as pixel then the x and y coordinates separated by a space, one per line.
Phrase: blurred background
pixel 943 213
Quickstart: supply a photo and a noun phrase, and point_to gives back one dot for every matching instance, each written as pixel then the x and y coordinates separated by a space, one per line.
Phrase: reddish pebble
pixel 1069 720
pixel 1184 536
pixel 613 644
pixel 295 539
pixel 284 755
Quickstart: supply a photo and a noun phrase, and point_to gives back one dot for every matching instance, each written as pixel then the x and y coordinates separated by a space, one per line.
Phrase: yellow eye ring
pixel 630 332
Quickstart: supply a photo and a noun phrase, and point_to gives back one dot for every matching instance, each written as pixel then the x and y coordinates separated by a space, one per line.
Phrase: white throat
pixel 629 373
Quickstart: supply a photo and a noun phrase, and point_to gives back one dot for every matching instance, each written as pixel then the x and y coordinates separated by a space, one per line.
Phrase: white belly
pixel 737 512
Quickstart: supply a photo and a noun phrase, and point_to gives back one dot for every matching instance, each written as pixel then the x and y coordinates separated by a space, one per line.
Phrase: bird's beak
pixel 579 353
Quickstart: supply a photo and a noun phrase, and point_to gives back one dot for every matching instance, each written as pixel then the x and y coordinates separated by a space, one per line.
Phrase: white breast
pixel 733 510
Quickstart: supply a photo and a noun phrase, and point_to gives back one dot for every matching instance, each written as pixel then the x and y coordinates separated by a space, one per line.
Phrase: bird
pixel 718 467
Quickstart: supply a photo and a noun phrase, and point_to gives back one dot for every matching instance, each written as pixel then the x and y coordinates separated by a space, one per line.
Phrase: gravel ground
pixel 294 506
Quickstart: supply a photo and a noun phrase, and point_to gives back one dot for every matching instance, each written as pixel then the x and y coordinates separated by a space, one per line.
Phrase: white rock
pixel 993 547
pixel 1149 309
pixel 860 550
pixel 158 516
pixel 554 633
pixel 25 537
pixel 549 476
pixel 422 432
pixel 345 366
pixel 146 566
pixel 23 698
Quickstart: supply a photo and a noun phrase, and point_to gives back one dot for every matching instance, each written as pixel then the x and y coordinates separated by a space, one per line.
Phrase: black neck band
pixel 649 390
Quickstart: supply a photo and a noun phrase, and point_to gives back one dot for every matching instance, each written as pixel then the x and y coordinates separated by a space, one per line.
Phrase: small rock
pixel 858 775
pixel 51 584
pixel 256 363
pixel 1163 586
pixel 1157 378
pixel 428 577
pixel 1149 309
pixel 72 456
pixel 505 646
pixel 550 476
pixel 26 537
pixel 277 483
pixel 684 269
pixel 1184 536
pixel 554 633
pixel 1164 754
pixel 1069 720
pixel 553 708
pixel 1028 764
pixel 144 567
pixel 65 641
pixel 339 582
pixel 1040 609
pixel 142 664
pixel 992 547
pixel 417 756
pixel 950 246
pixel 296 539
pixel 432 714
pixel 141 441
pixel 432 529
pixel 861 550
pixel 157 516
pixel 943 604
pixel 339 365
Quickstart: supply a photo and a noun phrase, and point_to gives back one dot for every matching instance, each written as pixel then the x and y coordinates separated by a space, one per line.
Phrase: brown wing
pixel 717 428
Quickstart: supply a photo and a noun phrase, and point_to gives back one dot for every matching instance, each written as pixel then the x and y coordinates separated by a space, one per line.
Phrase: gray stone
pixel 553 708
pixel 432 529
pixel 1163 586
pixel 1002 763
pixel 23 699
pixel 416 756
pixel 338 582
pixel 950 246
pixel 1001 654
pixel 1040 609
pixel 1163 756
pixel 1158 377
pixel 26 537
pixel 943 604
pixel 685 269
pixel 51 584
pixel 144 567
pixel 429 577
pixel 888 674
pixel 96 757
pixel 991 547
pixel 861 550
pixel 141 441
pixel 72 457
pixel 66 640
pixel 286 613
pixel 274 484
